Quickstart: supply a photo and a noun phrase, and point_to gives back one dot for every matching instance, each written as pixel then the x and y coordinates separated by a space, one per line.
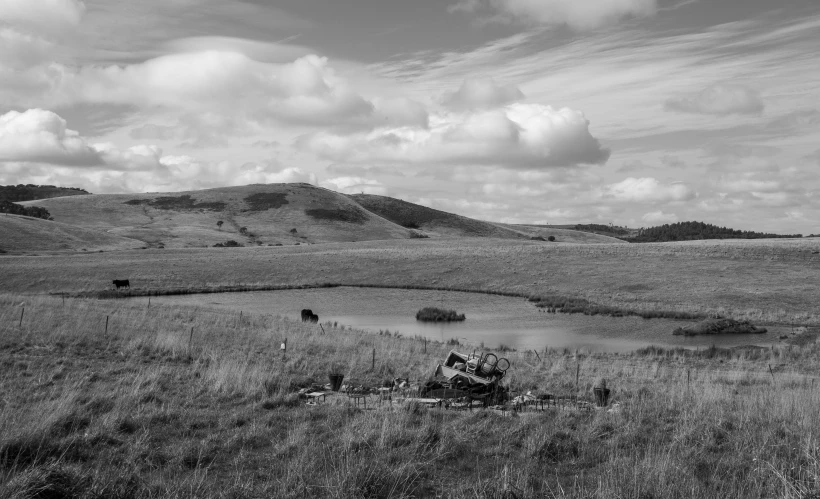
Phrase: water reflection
pixel 493 320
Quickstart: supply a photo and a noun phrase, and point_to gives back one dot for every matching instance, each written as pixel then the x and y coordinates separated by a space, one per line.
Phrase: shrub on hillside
pixel 551 239
pixel 433 314
pixel 178 203
pixel 262 201
pixel 28 211
pixel 351 214
pixel 228 244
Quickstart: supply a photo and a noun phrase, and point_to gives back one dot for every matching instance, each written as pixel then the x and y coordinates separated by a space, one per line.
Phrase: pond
pixel 491 319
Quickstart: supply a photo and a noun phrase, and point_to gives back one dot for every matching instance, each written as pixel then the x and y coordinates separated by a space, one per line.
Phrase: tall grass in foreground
pixel 148 410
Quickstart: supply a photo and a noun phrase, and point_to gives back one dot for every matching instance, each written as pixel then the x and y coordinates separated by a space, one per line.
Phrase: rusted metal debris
pixel 469 376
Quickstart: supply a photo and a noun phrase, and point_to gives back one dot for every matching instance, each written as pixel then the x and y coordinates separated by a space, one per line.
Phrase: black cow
pixel 122 283
pixel 309 316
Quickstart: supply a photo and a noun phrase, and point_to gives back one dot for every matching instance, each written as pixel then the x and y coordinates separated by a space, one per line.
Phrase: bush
pixel 551 239
pixel 228 244
pixel 432 314
pixel 28 211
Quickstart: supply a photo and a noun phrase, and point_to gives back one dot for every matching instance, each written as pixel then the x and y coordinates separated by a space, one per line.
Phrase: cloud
pixel 518 136
pixel 154 132
pixel 647 189
pixel 48 16
pixel 659 217
pixel 577 14
pixel 42 136
pixel 355 185
pixel 481 94
pixel 720 99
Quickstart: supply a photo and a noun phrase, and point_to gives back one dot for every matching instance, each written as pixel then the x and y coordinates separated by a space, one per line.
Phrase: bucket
pixel 601 396
pixel 336 381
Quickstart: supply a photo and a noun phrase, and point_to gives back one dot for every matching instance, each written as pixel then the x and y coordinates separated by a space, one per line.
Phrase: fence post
pixel 373 364
pixel 688 372
pixel 149 301
pixel 425 345
pixel 323 329
pixel 190 339
pixel 106 326
pixel 21 317
pixel 577 375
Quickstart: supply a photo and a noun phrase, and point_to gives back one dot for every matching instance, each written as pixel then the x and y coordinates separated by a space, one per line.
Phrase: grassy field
pixel 25 234
pixel 765 281
pixel 192 403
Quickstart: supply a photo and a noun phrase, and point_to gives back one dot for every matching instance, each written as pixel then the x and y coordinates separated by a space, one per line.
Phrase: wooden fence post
pixel 190 339
pixel 577 374
pixel 688 372
pixel 425 345
pixel 106 326
pixel 373 364
pixel 149 301
pixel 21 317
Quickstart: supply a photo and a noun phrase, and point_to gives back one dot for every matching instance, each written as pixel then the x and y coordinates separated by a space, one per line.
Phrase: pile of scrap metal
pixel 470 377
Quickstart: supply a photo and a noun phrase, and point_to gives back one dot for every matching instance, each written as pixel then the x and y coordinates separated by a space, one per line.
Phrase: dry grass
pixel 20 234
pixel 765 281
pixel 136 413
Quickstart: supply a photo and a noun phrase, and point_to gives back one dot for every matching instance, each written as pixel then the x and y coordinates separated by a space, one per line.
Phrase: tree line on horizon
pixel 694 231
pixel 30 192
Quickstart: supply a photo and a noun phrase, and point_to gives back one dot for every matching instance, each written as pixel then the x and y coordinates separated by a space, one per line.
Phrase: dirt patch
pixel 178 203
pixel 262 201
pixel 350 215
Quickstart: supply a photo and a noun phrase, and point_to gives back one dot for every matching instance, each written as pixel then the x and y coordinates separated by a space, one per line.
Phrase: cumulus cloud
pixel 577 14
pixel 659 217
pixel 306 91
pixel 40 135
pixel 520 135
pixel 720 99
pixel 647 189
pixel 481 94
pixel 355 185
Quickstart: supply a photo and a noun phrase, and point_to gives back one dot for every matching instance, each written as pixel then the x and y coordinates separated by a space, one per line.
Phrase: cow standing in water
pixel 122 283
pixel 309 316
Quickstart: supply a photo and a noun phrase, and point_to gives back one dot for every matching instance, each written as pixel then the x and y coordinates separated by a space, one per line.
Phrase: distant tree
pixel 551 238
pixel 219 224
pixel 293 231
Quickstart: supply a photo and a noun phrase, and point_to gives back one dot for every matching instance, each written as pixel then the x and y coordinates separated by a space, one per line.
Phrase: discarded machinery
pixel 470 377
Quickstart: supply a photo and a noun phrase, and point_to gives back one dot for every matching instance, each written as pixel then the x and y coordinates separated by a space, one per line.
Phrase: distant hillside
pixel 28 192
pixel 432 222
pixel 25 234
pixel 693 231
pixel 565 235
pixel 261 214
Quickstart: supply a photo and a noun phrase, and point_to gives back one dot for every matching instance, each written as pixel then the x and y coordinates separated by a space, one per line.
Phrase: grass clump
pixel 433 314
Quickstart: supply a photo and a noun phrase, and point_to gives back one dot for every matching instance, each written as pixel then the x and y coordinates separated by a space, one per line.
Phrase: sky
pixel 627 112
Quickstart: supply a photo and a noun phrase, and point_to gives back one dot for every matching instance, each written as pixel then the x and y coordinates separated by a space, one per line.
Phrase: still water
pixel 491 319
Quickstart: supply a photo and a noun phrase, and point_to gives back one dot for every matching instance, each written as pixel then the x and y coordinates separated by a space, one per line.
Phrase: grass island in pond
pixel 433 314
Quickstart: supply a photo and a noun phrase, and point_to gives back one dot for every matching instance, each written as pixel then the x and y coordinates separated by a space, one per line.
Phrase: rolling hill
pixel 276 214
pixel 26 234
pixel 253 215
pixel 434 223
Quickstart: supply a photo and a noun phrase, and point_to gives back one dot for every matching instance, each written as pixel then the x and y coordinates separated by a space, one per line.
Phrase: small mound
pixel 719 326
pixel 432 314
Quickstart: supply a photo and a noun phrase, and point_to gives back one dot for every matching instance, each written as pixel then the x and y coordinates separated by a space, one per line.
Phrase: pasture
pixel 765 281
pixel 104 398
